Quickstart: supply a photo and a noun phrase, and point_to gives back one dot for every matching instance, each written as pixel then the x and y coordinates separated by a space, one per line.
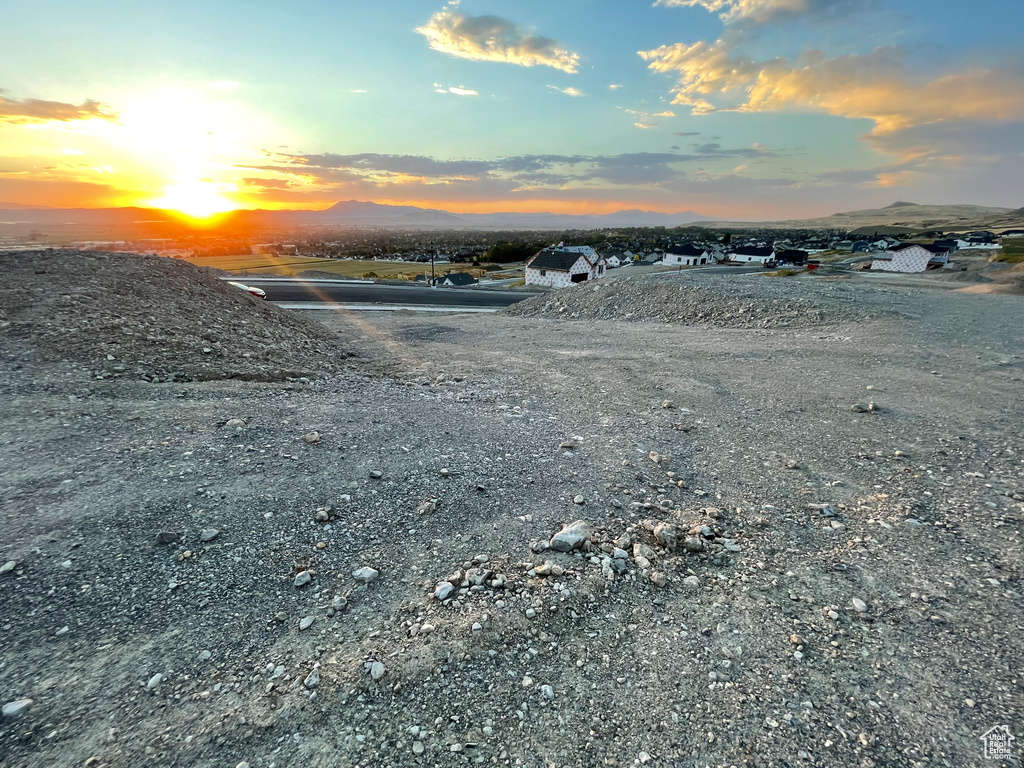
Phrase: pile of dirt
pixel 149 317
pixel 1012 280
pixel 987 276
pixel 701 300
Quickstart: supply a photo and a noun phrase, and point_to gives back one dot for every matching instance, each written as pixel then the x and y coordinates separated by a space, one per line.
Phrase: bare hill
pixel 903 217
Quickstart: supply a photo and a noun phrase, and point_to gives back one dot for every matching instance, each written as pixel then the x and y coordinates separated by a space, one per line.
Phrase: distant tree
pixel 511 251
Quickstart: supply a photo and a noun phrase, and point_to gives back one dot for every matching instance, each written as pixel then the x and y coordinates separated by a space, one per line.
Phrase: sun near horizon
pixel 195 199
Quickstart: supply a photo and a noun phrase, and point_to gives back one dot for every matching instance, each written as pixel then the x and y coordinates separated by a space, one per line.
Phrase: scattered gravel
pixel 758 576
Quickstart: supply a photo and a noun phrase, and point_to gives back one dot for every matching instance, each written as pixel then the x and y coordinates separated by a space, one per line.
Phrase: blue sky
pixel 737 108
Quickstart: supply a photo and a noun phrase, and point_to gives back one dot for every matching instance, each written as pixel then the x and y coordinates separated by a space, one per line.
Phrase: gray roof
pixel 926 246
pixel 752 250
pixel 689 249
pixel 559 261
pixel 459 278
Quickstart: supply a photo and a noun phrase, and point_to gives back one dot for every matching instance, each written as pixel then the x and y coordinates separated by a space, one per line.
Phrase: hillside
pixel 902 218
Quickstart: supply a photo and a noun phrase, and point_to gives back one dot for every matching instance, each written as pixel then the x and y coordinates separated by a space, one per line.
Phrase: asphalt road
pixel 343 292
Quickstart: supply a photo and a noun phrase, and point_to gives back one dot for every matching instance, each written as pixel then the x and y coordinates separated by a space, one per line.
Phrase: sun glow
pixel 196 198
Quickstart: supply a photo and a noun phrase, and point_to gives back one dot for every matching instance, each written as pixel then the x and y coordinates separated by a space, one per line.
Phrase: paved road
pixel 349 292
pixel 715 270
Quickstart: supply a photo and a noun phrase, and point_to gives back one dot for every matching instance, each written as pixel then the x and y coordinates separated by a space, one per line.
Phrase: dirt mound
pixel 712 302
pixel 150 317
pixel 988 276
pixel 1011 280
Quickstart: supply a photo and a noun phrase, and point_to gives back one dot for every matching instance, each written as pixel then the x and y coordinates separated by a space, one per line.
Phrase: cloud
pixel 267 183
pixel 614 87
pixel 570 91
pixel 645 120
pixel 492 38
pixel 509 173
pixel 37 111
pixel 703 70
pixel 763 11
pixel 874 86
pixel 456 90
pixel 358 90
pixel 224 85
pixel 406 165
pixel 686 133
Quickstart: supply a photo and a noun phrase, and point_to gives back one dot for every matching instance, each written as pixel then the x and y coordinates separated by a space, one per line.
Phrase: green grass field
pixel 294 265
pixel 1013 250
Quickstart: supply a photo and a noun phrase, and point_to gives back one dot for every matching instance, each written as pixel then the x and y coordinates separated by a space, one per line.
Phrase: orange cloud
pixel 63 194
pixel 39 111
pixel 703 70
pixel 874 86
pixel 492 38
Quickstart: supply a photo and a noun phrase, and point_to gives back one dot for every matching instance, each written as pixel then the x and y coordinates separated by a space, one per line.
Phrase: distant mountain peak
pixel 899 204
pixel 23 207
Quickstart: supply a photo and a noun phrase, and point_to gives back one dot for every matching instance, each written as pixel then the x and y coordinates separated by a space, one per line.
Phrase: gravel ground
pixel 762 575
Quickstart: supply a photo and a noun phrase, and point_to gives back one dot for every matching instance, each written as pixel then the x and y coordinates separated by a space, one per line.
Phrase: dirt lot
pixel 769 578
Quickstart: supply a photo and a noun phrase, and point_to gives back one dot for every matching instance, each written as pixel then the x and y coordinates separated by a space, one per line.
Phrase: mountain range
pixel 898 216
pixel 355 213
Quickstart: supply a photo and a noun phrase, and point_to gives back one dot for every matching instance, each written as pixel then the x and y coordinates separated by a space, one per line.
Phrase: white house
pixel 686 256
pixel 612 261
pixel 910 257
pixel 749 254
pixel 561 267
pixel 965 245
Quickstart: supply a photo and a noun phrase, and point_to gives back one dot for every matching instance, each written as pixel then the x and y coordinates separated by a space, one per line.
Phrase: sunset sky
pixel 732 108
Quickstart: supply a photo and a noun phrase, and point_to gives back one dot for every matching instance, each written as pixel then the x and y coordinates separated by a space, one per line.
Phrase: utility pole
pixel 433 253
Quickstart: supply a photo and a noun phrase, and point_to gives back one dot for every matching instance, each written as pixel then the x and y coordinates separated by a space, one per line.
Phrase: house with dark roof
pixel 457 279
pixel 978 241
pixel 686 255
pixel 560 267
pixel 791 256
